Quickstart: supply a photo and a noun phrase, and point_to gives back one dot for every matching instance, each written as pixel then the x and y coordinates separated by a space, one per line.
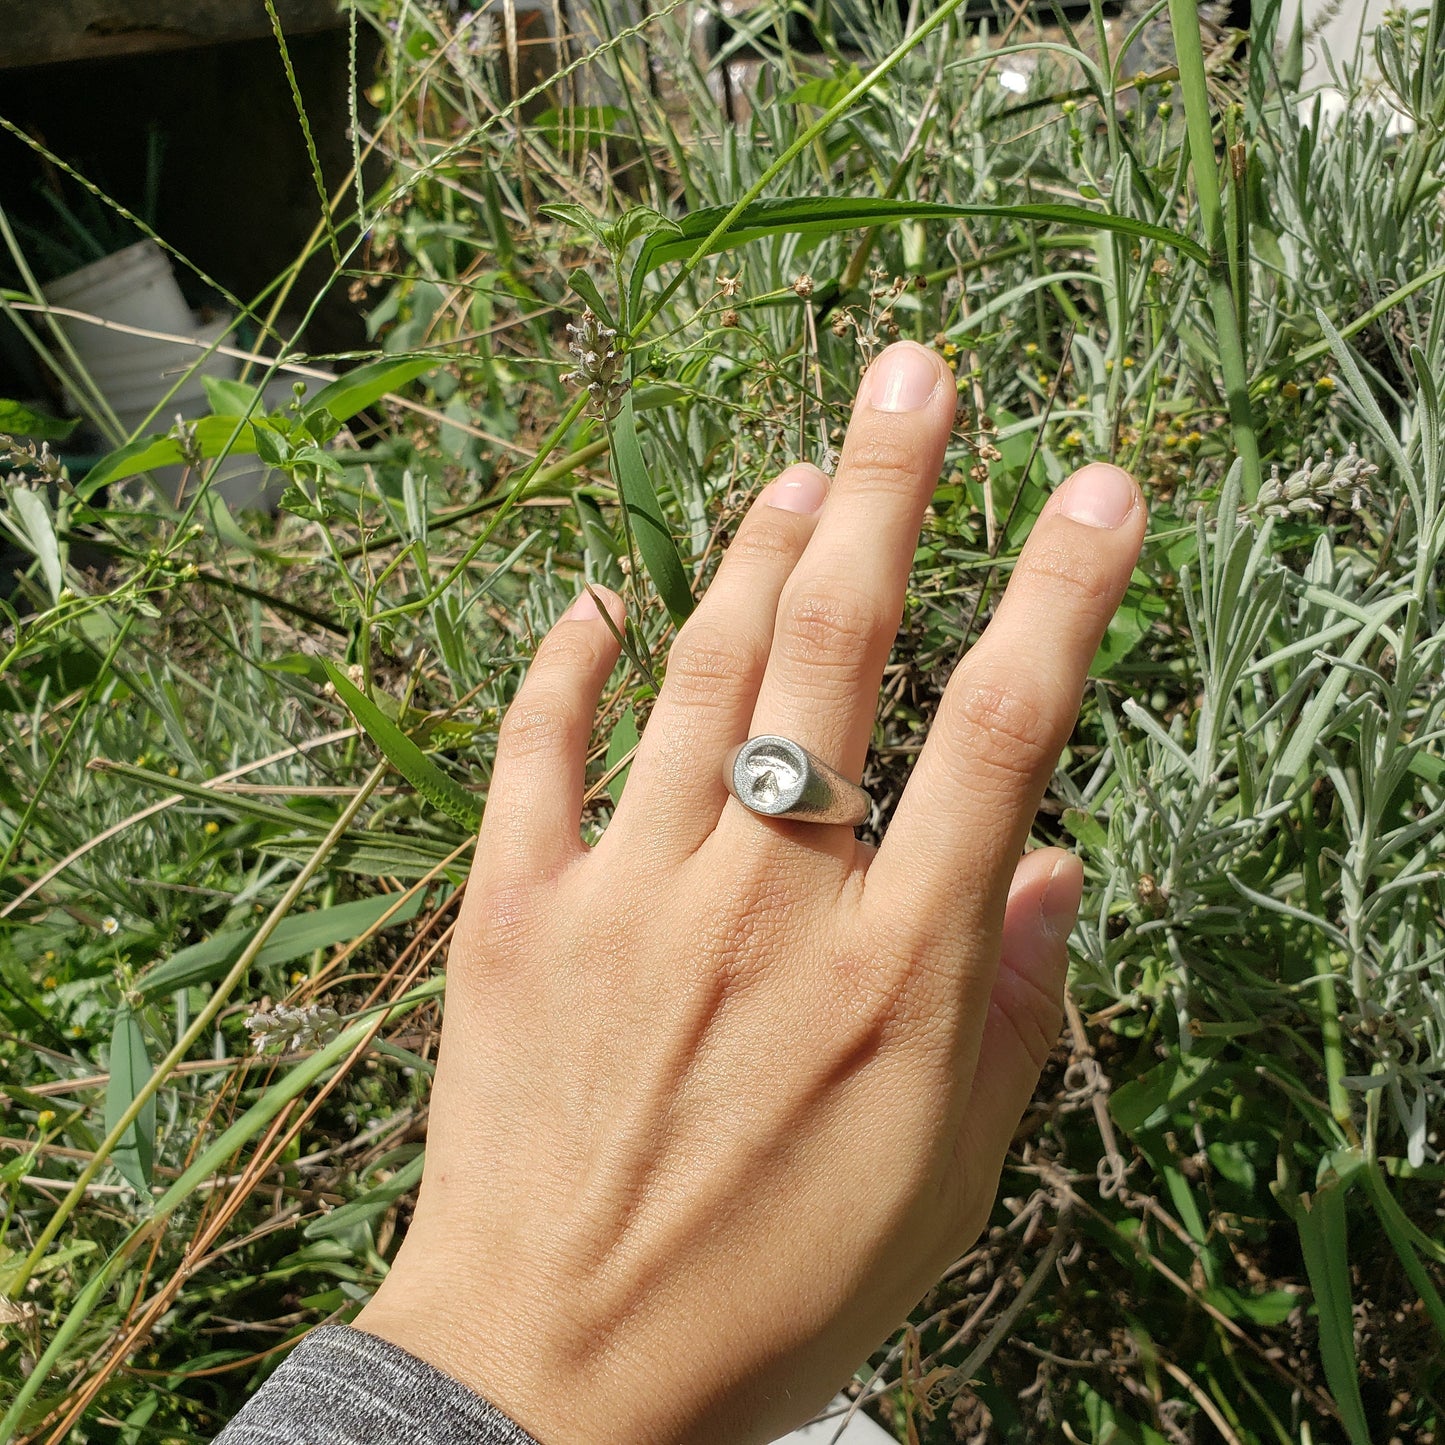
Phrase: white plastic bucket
pixel 135 287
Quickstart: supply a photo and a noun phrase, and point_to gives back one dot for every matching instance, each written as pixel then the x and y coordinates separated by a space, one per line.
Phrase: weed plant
pixel 609 297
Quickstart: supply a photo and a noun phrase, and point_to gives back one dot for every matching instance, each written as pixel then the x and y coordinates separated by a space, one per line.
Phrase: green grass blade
pixel 130 1069
pixel 405 756
pixel 1320 1219
pixel 293 938
pixel 644 517
pixel 1399 1230
pixel 823 215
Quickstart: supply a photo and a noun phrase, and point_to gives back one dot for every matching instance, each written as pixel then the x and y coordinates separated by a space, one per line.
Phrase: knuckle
pixel 705 665
pixel 884 461
pixel 541 720
pixel 1080 579
pixel 762 542
pixel 567 652
pixel 1001 726
pixel 829 623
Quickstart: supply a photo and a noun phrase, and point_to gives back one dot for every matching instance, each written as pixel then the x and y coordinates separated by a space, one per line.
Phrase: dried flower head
pixel 804 285
pixel 1315 488
pixel 599 363
pixel 292 1028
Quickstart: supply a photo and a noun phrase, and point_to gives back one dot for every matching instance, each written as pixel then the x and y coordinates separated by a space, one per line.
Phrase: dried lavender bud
pixel 292 1028
pixel 599 363
pixel 1343 483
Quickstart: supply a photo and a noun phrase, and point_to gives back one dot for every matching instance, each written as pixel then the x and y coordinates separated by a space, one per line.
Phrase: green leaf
pixel 571 214
pixel 293 937
pixel 1273 1307
pixel 359 388
pixel 644 515
pixel 369 1205
pixel 271 446
pixel 822 215
pixel 231 398
pixel 1086 829
pixel 1320 1220
pixel 640 221
pixel 130 1069
pixel 586 288
pixel 624 738
pixel 18 420
pixel 213 436
pixel 1137 614
pixel 30 515
pixel 405 756
pixel 825 91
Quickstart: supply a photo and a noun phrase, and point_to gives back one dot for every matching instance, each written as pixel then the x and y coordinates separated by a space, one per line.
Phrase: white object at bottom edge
pixel 860 1430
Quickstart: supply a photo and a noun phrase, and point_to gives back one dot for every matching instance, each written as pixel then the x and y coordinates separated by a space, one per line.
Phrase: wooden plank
pixel 43 32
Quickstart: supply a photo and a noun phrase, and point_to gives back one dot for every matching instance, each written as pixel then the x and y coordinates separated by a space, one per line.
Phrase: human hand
pixel 718 1099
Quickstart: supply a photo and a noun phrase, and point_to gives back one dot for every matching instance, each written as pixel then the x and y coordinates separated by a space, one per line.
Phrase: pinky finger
pixel 533 815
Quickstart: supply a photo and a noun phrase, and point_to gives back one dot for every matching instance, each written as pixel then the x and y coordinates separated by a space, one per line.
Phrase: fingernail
pixel 1059 906
pixel 902 379
pixel 584 609
pixel 1098 496
pixel 799 489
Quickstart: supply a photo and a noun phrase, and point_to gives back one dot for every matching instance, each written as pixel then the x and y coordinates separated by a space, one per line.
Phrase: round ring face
pixel 770 774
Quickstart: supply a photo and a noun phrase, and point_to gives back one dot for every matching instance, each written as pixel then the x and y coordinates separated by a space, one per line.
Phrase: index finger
pixel 1008 711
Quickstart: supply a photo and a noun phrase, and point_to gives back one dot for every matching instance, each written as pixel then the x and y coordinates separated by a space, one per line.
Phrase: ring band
pixel 776 778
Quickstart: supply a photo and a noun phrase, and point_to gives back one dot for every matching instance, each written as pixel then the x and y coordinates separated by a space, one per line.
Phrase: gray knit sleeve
pixel 342 1387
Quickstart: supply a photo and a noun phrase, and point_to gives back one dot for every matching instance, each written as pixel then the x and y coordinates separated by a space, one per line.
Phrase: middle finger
pixel 840 610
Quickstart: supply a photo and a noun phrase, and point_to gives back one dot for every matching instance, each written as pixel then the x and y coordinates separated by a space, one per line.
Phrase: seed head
pixel 599 363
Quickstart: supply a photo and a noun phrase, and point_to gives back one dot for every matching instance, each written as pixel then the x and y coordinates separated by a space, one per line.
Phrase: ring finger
pixel 676 786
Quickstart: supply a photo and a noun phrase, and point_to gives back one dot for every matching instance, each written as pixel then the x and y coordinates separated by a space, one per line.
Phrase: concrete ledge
pixel 44 32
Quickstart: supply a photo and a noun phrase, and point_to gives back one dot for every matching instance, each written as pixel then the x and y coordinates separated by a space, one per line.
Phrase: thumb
pixel 1025 1010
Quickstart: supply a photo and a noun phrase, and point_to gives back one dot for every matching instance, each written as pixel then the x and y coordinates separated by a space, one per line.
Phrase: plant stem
pixel 1225 307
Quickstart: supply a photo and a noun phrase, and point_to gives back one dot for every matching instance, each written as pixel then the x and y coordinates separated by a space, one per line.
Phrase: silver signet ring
pixel 777 778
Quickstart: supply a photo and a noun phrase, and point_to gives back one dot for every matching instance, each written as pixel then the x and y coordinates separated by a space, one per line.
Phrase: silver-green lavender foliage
pixel 1315 678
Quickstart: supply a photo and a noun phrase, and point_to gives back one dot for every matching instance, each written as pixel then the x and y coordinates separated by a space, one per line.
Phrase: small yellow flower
pixel 173 771
pixel 1289 391
pixel 1074 439
pixel 45 1118
pixel 212 828
pixel 50 955
pixel 1031 348
pixel 949 349
pixel 75 1031
pixel 1325 383
pixel 1129 363
pixel 1194 438
pixel 140 762
pixel 50 981
pixel 1171 440
pixel 297 977
pixel 1108 363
